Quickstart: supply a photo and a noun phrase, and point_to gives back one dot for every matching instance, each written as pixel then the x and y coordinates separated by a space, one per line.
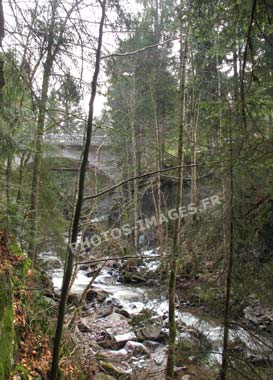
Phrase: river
pixel 134 299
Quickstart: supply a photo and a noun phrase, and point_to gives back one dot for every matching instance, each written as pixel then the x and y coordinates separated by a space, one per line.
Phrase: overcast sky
pixel 16 39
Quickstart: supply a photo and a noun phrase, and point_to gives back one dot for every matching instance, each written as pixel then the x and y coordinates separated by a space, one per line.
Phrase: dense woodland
pixel 136 197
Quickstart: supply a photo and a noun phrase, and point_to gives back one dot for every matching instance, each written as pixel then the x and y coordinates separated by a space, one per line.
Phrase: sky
pixel 17 39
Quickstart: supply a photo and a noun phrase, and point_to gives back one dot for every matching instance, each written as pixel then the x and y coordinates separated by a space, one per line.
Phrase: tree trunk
pixel 229 269
pixel 136 166
pixel 179 201
pixel 78 208
pixel 2 33
pixel 8 174
pixel 159 167
pixel 194 123
pixel 39 139
pixel 225 353
pixel 23 161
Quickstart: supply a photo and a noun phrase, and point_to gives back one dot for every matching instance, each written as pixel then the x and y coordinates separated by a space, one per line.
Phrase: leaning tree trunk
pixel 179 201
pixel 78 208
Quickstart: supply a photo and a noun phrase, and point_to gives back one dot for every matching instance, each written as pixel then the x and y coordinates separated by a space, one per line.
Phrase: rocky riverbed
pixel 123 327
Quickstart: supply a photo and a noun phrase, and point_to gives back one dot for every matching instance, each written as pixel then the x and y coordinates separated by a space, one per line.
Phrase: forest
pixel 136 190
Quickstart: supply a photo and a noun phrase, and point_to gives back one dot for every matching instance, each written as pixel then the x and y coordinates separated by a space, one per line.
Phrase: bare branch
pixel 139 50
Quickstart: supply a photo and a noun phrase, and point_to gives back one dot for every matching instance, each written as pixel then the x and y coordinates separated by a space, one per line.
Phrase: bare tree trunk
pixel 193 144
pixel 79 203
pixel 159 167
pixel 20 179
pixel 8 174
pixel 229 268
pixel 53 46
pixel 39 139
pixel 136 167
pixel 135 186
pixel 179 201
pixel 23 161
pixel 2 34
pixel 225 353
pixel 194 123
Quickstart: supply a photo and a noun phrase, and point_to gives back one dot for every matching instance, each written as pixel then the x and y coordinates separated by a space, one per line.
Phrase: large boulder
pixel 149 328
pixel 151 332
pixel 111 332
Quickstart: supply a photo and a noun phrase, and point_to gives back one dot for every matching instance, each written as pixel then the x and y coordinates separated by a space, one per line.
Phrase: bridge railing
pixel 54 138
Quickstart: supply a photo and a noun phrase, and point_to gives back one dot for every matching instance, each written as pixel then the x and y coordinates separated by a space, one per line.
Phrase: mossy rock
pixel 116 371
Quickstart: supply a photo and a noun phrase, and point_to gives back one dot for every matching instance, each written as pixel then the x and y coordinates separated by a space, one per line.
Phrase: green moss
pixel 20 370
pixel 7 334
pixel 9 279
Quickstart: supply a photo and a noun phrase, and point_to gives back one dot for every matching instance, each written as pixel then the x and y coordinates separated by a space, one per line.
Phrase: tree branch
pixel 139 50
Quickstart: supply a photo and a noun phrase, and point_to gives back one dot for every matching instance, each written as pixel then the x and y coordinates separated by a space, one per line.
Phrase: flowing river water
pixel 134 299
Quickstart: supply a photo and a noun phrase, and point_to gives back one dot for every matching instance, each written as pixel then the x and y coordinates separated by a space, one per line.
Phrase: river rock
pixel 83 327
pixel 137 349
pixel 115 302
pixel 111 332
pixel 123 338
pixel 73 299
pixel 259 316
pixel 95 294
pixel 116 323
pixel 179 371
pixel 123 312
pixel 105 309
pixel 134 278
pixel 84 268
pixel 151 345
pixel 112 355
pixel 164 335
pixel 250 315
pixel 90 274
pixel 148 327
pixel 105 340
pixel 48 288
pixel 149 332
pixel 192 340
pixel 118 371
